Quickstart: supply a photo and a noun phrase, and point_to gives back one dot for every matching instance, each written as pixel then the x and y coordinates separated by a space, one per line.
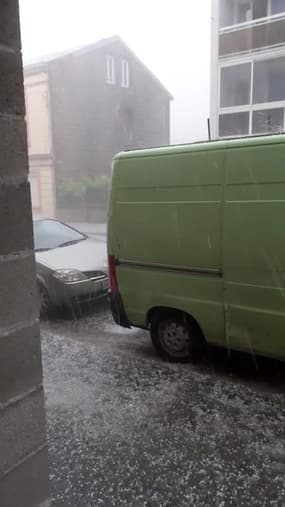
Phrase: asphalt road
pixel 127 429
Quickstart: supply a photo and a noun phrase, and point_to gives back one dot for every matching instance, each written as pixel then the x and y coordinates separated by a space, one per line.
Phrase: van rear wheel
pixel 176 337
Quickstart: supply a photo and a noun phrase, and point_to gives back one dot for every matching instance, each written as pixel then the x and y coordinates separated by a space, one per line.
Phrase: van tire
pixel 176 337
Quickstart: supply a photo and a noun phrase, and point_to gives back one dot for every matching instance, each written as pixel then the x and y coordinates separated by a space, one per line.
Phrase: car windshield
pixel 50 234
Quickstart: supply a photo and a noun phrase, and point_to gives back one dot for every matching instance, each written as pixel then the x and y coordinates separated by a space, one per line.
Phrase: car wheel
pixel 44 302
pixel 176 337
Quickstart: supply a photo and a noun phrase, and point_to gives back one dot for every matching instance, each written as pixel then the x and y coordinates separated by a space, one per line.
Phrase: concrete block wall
pixel 23 450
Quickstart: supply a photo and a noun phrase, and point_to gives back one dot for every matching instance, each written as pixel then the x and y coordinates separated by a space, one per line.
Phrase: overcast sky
pixel 171 37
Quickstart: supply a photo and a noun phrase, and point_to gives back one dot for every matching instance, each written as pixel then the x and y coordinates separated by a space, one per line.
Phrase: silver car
pixel 71 267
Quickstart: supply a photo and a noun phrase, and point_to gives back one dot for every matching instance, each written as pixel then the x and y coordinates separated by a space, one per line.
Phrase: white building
pixel 248 67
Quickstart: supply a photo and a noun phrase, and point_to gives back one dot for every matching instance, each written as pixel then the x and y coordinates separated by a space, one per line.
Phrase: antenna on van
pixel 209 129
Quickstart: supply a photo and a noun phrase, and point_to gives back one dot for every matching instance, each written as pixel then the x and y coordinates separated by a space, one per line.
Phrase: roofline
pixel 240 142
pixel 45 60
pixel 33 68
pixel 42 65
pixel 147 69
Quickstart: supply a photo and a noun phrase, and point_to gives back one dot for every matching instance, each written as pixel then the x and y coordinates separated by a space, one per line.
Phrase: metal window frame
pixel 269 55
pixel 270 9
pixel 259 21
pixel 244 110
pixel 223 66
pixel 282 106
pixel 252 59
pixel 237 2
pixel 251 110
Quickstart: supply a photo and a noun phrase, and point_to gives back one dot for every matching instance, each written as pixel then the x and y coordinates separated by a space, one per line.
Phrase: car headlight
pixel 69 275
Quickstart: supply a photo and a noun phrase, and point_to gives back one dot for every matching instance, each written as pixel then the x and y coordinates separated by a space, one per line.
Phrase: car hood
pixel 88 255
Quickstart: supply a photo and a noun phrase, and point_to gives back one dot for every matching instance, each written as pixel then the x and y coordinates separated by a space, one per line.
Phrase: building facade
pixel 248 67
pixel 103 100
pixel 41 174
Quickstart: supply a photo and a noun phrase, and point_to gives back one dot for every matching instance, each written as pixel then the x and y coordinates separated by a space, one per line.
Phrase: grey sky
pixel 172 38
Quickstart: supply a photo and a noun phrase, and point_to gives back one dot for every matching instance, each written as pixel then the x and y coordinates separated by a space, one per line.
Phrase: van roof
pixel 205 146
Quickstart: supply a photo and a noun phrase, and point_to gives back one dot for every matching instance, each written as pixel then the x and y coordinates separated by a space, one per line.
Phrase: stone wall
pixel 23 452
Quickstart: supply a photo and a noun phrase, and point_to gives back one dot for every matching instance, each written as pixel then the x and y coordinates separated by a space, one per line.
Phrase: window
pixel 259 9
pixel 226 13
pixel 268 88
pixel 35 191
pixel 243 12
pixel 125 74
pixel 277 6
pixel 110 67
pixel 234 124
pixel 268 81
pixel 235 85
pixel 268 120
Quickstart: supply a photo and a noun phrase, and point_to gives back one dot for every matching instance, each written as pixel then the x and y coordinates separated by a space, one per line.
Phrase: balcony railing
pixel 252 36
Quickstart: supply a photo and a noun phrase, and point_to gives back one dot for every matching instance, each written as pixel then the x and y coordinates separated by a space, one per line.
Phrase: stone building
pixel 102 100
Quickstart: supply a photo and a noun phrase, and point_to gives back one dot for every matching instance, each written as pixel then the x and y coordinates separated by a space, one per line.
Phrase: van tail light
pixel 112 274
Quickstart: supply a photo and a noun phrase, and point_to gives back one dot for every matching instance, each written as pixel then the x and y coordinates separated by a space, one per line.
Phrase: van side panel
pixel 166 227
pixel 254 249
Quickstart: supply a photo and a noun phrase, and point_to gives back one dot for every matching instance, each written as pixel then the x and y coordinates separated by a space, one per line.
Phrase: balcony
pixel 252 36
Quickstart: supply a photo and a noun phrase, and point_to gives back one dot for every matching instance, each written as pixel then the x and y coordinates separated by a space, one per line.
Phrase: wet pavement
pixel 127 429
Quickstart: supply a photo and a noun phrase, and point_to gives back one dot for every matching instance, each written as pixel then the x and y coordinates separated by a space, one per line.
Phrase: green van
pixel 196 245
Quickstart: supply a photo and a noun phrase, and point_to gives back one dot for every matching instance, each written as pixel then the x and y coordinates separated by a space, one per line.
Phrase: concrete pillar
pixel 23 452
